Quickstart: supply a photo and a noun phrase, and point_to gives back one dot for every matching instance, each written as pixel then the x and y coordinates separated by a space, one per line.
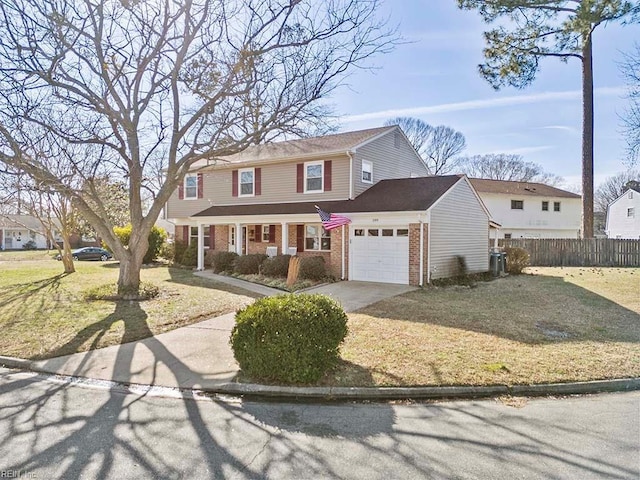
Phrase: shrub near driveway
pixel 289 338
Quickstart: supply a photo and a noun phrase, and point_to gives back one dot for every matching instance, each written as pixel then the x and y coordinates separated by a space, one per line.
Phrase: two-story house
pixel 531 210
pixel 405 227
pixel 623 216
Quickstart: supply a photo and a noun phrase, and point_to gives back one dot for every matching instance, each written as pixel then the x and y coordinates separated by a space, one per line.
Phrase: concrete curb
pixel 365 393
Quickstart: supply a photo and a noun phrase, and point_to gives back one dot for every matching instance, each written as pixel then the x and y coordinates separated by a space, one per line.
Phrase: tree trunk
pixel 130 266
pixel 65 253
pixel 587 139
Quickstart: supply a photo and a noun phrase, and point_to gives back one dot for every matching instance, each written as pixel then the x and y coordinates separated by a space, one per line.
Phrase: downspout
pixel 429 251
pixel 350 174
pixel 343 249
pixel 421 283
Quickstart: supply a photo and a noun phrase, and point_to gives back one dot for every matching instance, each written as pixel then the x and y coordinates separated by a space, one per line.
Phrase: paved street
pixel 54 430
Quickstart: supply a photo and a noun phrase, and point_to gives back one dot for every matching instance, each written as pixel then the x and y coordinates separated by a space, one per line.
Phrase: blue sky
pixel 435 78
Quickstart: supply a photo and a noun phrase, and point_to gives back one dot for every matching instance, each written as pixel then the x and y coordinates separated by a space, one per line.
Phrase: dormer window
pixel 313 176
pixel 367 172
pixel 247 182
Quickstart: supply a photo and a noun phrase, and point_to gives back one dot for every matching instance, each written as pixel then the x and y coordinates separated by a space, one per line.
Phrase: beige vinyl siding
pixel 459 226
pixel 388 161
pixel 278 186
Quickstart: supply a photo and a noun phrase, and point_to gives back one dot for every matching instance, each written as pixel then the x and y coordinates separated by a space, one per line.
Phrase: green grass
pixel 559 325
pixel 44 313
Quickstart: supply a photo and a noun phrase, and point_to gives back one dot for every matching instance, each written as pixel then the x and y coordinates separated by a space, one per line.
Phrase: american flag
pixel 331 220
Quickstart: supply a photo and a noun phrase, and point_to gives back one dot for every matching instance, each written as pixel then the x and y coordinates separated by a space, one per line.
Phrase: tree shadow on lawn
pixel 528 309
pixel 132 316
pixel 17 300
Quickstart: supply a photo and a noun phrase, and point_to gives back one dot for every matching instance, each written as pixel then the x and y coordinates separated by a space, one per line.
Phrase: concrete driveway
pixel 355 295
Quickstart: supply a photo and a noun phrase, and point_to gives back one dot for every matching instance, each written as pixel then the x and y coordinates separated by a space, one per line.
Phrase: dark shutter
pixel 200 186
pixel 258 233
pixel 300 178
pixel 181 191
pixel 327 175
pixel 234 183
pixel 185 233
pixel 212 237
pixel 300 237
pixel 258 179
pixel 272 234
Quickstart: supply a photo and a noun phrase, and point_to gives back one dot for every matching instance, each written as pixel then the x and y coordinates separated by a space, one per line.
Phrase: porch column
pixel 285 237
pixel 200 247
pixel 239 239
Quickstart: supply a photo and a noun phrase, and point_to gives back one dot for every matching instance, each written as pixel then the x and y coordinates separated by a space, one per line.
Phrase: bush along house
pixel 387 220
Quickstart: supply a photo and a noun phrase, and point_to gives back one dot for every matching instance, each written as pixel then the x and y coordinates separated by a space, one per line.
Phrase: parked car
pixel 89 253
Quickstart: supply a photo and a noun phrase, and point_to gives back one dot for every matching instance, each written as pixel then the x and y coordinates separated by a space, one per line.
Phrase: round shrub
pixel 312 268
pixel 517 260
pixel 223 261
pixel 157 237
pixel 277 267
pixel 289 338
pixel 249 264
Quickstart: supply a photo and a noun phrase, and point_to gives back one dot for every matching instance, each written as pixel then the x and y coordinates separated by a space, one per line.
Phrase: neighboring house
pixel 406 227
pixel 623 216
pixel 17 230
pixel 530 210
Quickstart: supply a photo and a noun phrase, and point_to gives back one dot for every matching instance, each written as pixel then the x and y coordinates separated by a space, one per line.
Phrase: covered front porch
pixel 270 235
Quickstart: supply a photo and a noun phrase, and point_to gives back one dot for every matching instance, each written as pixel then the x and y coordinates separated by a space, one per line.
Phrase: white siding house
pixel 531 210
pixel 623 216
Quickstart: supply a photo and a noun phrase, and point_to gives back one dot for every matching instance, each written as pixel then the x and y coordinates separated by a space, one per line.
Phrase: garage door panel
pixel 379 258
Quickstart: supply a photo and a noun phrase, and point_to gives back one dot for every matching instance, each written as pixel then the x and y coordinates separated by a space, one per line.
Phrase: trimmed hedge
pixel 224 261
pixel 312 268
pixel 249 264
pixel 289 338
pixel 276 267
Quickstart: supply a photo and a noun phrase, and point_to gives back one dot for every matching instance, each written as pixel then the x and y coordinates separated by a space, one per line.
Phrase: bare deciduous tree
pixel 631 118
pixel 438 146
pixel 503 166
pixel 613 187
pixel 164 85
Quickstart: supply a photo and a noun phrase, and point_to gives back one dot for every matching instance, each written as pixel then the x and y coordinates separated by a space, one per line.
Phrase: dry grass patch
pixel 44 313
pixel 555 326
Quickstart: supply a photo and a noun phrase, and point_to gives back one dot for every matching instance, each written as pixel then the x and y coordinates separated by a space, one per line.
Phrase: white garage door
pixel 379 254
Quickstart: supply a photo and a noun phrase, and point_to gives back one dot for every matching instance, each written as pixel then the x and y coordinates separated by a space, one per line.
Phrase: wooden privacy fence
pixel 585 252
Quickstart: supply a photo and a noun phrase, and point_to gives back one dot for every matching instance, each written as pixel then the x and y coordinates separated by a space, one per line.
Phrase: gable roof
pixel 623 195
pixel 307 147
pixel 28 222
pixel 484 185
pixel 396 195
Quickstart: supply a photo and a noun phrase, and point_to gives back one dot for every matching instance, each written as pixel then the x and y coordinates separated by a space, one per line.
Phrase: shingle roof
pixel 20 221
pixel 327 144
pixel 400 195
pixel 483 185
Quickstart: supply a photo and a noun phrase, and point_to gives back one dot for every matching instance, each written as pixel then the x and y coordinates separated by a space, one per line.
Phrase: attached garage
pixel 379 254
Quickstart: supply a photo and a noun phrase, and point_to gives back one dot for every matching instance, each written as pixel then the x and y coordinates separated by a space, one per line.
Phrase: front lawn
pixel 557 325
pixel 43 313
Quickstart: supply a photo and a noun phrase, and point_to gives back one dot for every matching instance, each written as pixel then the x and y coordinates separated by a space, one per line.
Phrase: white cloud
pixel 520 150
pixel 482 104
pixel 563 128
